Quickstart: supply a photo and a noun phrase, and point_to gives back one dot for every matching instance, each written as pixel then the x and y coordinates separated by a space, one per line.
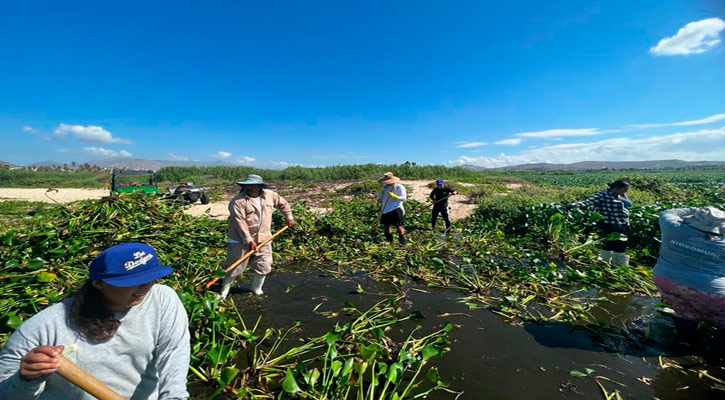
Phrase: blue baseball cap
pixel 439 182
pixel 127 264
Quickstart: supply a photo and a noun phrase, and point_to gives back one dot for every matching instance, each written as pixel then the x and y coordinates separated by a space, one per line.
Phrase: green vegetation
pixel 207 175
pixel 11 211
pixel 25 178
pixel 203 175
pixel 45 257
pixel 520 254
pixel 224 175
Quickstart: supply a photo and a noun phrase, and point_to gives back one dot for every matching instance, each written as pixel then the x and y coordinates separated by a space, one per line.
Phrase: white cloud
pixel 222 155
pixel 702 121
pixel 245 160
pixel 703 145
pixel 174 157
pixel 100 151
pixel 693 38
pixel 62 150
pixel 509 142
pixel 470 144
pixel 557 133
pixel 90 133
pixel 30 129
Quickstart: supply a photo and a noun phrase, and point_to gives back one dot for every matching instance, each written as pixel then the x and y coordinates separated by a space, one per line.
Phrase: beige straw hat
pixel 388 179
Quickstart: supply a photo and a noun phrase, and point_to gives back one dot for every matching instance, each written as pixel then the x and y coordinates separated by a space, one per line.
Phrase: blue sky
pixel 320 83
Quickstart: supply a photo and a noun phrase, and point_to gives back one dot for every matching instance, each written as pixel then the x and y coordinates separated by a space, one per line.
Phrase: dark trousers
pixel 443 211
pixel 617 246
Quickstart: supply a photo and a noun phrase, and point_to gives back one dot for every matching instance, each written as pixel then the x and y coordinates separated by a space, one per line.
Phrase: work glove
pixel 627 203
pixel 393 195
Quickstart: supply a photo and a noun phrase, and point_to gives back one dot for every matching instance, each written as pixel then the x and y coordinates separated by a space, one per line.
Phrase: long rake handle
pixel 249 254
pixel 439 200
pixel 79 377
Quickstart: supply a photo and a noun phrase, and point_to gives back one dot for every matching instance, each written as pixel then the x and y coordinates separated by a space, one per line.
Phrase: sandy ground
pixel 459 205
pixel 215 209
pixel 61 196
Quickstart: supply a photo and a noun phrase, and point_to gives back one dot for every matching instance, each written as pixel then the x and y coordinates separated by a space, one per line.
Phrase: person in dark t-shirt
pixel 440 195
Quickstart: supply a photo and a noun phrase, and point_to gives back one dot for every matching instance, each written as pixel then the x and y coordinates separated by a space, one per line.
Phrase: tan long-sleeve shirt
pixel 248 223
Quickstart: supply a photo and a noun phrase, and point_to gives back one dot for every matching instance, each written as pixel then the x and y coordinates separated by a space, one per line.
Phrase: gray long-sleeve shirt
pixel 147 358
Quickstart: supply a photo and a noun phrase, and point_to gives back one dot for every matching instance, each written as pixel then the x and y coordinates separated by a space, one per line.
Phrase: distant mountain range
pixel 46 164
pixel 598 165
pixel 154 165
pixel 135 163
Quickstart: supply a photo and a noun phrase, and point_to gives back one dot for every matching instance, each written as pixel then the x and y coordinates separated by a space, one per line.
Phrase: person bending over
pixel 613 204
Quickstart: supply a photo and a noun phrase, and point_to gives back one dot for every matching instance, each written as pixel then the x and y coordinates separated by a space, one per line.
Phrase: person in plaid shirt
pixel 613 205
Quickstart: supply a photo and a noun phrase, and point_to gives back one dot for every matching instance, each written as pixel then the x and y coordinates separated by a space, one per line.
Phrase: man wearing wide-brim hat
pixel 690 271
pixel 250 223
pixel 392 194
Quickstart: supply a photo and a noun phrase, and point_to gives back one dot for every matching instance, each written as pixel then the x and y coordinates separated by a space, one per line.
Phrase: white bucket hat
pixel 707 219
pixel 252 179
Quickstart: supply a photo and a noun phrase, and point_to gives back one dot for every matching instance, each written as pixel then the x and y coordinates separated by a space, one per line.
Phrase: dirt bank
pixel 45 195
pixel 460 205
pixel 315 197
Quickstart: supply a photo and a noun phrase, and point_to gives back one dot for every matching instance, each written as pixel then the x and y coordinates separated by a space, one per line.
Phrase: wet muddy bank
pixel 490 358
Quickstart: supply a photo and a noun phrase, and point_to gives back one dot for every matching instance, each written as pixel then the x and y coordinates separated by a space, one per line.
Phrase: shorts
pixel 395 217
pixel 261 260
pixel 690 303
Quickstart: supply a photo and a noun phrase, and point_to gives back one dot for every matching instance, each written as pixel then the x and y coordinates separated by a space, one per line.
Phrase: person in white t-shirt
pixel 392 194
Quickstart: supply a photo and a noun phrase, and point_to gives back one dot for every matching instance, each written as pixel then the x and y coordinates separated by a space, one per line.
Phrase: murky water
pixel 490 359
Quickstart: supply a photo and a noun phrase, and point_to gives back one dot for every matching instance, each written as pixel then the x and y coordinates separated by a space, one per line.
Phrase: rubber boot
pixel 389 237
pixel 402 239
pixel 620 260
pixel 257 282
pixel 226 285
pixel 606 255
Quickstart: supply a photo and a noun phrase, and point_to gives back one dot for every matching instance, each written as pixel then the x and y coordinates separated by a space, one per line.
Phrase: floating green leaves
pixel 289 384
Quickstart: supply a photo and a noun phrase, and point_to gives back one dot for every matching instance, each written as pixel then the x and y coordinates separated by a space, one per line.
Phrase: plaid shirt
pixel 609 205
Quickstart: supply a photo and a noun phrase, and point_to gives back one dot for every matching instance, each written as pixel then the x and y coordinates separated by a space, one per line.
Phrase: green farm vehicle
pixel 130 181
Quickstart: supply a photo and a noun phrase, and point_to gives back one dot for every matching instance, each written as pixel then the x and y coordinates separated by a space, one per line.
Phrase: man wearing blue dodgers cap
pixel 440 195
pixel 120 326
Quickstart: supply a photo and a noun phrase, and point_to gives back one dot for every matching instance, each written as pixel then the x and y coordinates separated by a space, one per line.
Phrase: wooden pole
pixel 79 377
pixel 249 254
pixel 439 200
